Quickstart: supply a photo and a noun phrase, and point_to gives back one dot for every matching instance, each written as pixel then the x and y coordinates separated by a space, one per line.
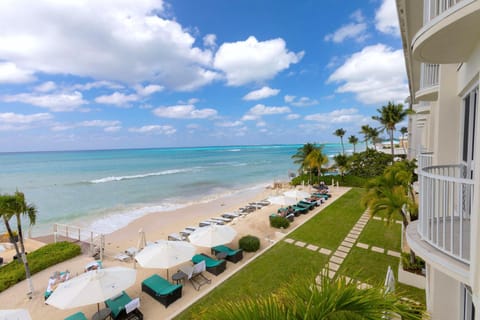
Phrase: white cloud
pixel 301 102
pixel 107 125
pixel 292 116
pixel 57 102
pixel 375 75
pixel 184 112
pixel 112 129
pixel 261 110
pixel 97 84
pixel 37 36
pixel 339 116
pixel 117 99
pixel 262 93
pixel 46 87
pixel 209 41
pixel 386 18
pixel 11 73
pixel 17 118
pixel 288 98
pixel 156 129
pixel 254 61
pixel 355 30
pixel 99 123
pixel 261 124
pixel 229 124
pixel 148 90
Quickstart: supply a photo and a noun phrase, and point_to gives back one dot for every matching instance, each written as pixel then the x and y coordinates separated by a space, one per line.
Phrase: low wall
pixel 411 279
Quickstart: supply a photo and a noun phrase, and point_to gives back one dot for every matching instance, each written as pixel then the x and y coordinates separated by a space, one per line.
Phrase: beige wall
pixel 444 298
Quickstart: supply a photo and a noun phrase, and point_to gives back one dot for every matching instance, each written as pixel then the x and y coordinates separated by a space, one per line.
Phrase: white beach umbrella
pixel 165 254
pixel 212 236
pixel 15 314
pixel 282 200
pixel 92 287
pixel 297 194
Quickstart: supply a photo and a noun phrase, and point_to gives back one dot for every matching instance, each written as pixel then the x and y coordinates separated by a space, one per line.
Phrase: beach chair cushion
pixel 117 304
pixel 160 285
pixel 77 316
pixel 232 255
pixel 214 266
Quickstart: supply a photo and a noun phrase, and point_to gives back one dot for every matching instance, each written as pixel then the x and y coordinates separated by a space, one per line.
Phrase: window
pixel 470 103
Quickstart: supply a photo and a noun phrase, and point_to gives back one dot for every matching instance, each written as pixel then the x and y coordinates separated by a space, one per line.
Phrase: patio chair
pixel 162 290
pixel 195 275
pixel 77 316
pixel 117 306
pixel 213 266
pixel 232 255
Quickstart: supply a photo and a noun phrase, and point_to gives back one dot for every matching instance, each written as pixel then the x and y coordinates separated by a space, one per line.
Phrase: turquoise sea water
pixel 91 187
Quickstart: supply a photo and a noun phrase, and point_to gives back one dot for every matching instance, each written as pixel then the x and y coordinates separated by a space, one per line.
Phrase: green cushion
pixel 77 316
pixel 209 262
pixel 160 285
pixel 226 249
pixel 118 304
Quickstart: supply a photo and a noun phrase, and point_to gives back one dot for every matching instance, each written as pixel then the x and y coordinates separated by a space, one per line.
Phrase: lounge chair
pixel 119 304
pixel 77 316
pixel 232 255
pixel 205 223
pixel 230 215
pixel 226 220
pixel 175 237
pixel 162 290
pixel 213 266
pixel 195 274
pixel 299 209
pixel 307 204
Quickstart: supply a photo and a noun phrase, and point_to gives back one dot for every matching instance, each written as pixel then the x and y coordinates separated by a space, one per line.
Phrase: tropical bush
pixel 249 243
pixel 369 163
pixel 415 266
pixel 279 222
pixel 38 260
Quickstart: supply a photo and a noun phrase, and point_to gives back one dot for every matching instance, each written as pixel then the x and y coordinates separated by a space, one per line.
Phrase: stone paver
pixel 393 253
pixel 333 266
pixel 336 260
pixel 340 254
pixel 289 240
pixel 300 244
pixel 378 218
pixel 355 232
pixel 331 274
pixel 357 229
pixel 347 244
pixel 349 239
pixel 399 222
pixel 378 249
pixel 362 245
pixel 344 249
pixel 353 236
pixel 325 251
pixel 312 247
pixel 363 286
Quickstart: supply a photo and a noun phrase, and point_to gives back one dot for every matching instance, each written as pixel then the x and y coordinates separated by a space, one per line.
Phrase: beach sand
pixel 158 226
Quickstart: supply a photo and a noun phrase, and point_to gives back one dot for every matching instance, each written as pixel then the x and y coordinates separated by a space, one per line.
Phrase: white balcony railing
pixel 424 159
pixel 445 208
pixel 434 8
pixel 429 75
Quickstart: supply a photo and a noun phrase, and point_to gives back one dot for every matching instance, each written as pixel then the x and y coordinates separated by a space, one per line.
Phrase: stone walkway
pixel 336 259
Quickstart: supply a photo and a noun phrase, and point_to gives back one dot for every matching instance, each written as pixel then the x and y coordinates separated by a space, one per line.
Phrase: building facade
pixel 441 43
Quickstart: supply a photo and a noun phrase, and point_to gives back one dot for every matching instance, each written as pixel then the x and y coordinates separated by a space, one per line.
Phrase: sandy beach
pixel 157 226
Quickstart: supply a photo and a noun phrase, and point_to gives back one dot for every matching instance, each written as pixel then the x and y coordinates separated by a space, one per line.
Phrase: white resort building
pixel 441 42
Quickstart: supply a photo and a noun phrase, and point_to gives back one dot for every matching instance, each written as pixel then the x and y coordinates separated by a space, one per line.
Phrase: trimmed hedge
pixel 279 222
pixel 38 260
pixel 249 243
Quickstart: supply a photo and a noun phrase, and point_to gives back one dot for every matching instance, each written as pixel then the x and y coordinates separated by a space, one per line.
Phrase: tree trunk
pixel 354 147
pixel 343 148
pixel 10 234
pixel 28 276
pixel 390 132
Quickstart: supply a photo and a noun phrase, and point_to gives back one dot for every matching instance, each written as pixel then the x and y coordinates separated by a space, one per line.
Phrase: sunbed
pixel 213 266
pixel 117 306
pixel 195 274
pixel 303 203
pixel 162 290
pixel 77 316
pixel 232 255
pixel 230 215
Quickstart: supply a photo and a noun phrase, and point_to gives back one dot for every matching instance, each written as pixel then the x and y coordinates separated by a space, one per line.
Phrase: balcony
pixel 428 82
pixel 424 159
pixel 449 32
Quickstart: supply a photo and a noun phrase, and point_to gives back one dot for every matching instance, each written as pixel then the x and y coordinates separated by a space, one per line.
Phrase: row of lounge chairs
pixel 303 206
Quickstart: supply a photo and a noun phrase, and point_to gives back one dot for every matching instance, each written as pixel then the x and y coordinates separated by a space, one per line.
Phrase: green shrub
pixel 415 267
pixel 249 243
pixel 279 222
pixel 38 260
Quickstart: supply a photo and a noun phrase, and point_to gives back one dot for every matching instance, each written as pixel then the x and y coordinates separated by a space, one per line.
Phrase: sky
pixel 90 74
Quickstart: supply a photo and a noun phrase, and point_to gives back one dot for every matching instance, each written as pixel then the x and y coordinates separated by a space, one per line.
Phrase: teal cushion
pixel 77 316
pixel 118 304
pixel 160 285
pixel 209 262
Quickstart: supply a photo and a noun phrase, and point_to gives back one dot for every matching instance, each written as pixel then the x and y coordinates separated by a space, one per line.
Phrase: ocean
pixel 104 190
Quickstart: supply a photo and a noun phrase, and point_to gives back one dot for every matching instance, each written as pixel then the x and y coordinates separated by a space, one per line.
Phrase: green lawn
pixel 328 228
pixel 381 234
pixel 267 273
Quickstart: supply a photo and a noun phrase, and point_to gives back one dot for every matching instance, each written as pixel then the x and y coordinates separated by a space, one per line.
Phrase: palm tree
pixel 316 159
pixel 341 163
pixel 328 299
pixel 16 205
pixel 353 140
pixel 374 136
pixel 302 154
pixel 403 132
pixel 389 116
pixel 365 130
pixel 340 133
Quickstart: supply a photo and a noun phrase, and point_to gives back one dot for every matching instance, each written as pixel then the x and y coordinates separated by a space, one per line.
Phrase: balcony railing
pixel 429 75
pixel 434 8
pixel 424 159
pixel 445 208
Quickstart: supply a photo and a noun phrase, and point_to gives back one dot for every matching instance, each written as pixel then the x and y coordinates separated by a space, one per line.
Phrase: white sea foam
pixel 234 150
pixel 140 176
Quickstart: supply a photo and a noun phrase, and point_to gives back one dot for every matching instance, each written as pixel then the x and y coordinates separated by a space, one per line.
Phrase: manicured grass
pixel 371 267
pixel 328 228
pixel 381 234
pixel 267 273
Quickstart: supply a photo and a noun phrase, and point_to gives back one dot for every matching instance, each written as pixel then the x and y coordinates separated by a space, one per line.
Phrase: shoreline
pixel 158 226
